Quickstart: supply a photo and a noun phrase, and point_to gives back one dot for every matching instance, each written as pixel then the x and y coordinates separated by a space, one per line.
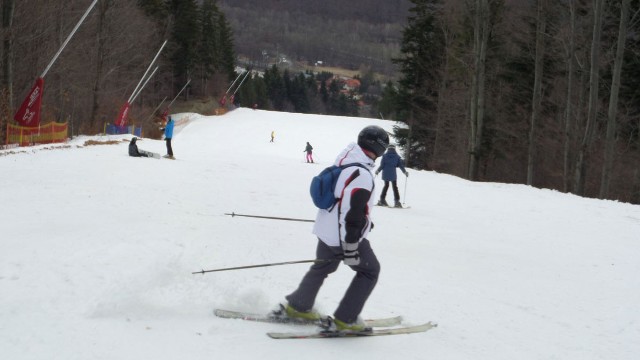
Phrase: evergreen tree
pixel 216 54
pixel 225 52
pixel 156 9
pixel 262 97
pixel 420 63
pixel 388 104
pixel 275 88
pixel 185 36
pixel 324 92
pixel 286 78
pixel 209 45
pixel 299 95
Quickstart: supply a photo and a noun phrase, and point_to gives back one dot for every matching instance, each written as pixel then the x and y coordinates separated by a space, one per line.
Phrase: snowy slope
pixel 98 250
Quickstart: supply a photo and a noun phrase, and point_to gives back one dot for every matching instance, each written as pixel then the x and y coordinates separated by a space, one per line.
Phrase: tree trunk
pixel 581 165
pixel 8 6
pixel 6 90
pixel 481 39
pixel 407 152
pixel 568 109
pixel 103 7
pixel 613 101
pixel 441 103
pixel 537 87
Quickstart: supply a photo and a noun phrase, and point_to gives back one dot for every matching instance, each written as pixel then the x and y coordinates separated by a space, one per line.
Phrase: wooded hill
pixel 350 34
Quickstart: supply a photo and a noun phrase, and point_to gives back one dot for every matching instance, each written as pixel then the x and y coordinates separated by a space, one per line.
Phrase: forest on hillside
pixel 544 93
pixel 350 34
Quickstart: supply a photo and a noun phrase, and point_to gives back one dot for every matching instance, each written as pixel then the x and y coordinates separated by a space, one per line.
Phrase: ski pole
pixel 265 265
pixel 404 196
pixel 269 217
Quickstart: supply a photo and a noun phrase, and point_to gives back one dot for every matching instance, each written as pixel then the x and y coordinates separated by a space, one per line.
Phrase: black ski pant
pixel 365 279
pixel 394 186
pixel 169 149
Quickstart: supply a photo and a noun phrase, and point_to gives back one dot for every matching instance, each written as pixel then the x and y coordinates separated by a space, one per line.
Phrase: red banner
pixel 124 114
pixel 29 112
pixel 164 115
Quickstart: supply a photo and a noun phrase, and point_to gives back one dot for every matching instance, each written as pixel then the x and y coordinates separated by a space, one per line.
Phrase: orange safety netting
pixel 44 134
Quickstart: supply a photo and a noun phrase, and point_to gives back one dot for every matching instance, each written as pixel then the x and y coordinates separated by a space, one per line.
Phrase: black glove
pixel 351 254
pixel 406 173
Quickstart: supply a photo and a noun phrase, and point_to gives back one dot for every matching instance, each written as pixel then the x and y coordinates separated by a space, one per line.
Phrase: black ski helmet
pixel 374 139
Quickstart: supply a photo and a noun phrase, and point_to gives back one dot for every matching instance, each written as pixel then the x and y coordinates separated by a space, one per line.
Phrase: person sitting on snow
pixel 133 149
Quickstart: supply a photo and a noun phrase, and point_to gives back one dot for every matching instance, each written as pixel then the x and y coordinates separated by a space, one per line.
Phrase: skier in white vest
pixel 342 236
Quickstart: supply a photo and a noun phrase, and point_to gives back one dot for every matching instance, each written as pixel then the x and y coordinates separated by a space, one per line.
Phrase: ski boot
pixel 330 324
pixel 397 205
pixel 382 202
pixel 286 313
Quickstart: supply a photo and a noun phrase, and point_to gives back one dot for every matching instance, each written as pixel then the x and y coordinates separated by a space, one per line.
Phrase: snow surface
pixel 98 249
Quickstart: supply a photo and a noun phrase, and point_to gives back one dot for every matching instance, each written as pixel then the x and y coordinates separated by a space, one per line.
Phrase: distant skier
pixel 273 135
pixel 309 150
pixel 168 134
pixel 133 149
pixel 390 161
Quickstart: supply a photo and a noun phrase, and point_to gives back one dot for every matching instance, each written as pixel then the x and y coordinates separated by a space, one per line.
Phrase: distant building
pixel 351 84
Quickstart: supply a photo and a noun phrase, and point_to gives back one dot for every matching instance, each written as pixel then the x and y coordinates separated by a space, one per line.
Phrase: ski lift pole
pixel 55 57
pixel 234 81
pixel 145 84
pixel 243 79
pixel 265 265
pixel 174 99
pixel 156 109
pixel 145 73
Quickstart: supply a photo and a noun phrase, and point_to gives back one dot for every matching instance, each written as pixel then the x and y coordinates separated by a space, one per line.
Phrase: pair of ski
pixel 393 207
pixel 382 326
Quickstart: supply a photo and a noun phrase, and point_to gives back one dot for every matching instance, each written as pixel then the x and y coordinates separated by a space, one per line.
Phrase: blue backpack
pixel 323 186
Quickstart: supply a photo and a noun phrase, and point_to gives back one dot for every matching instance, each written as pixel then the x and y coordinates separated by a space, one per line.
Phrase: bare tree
pixel 569 100
pixel 613 101
pixel 481 40
pixel 101 35
pixel 592 113
pixel 6 88
pixel 537 86
pixel 8 7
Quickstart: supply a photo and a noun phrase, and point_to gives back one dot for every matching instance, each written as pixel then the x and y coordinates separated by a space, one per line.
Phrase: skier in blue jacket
pixel 390 161
pixel 168 134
